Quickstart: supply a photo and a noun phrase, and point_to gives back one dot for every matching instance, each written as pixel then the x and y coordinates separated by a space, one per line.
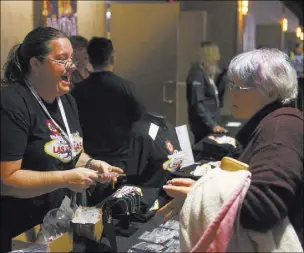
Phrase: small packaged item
pixel 132 251
pixel 176 234
pixel 173 244
pixel 224 140
pixel 203 169
pixel 172 250
pixel 172 224
pixel 106 177
pixel 84 215
pixel 158 235
pixel 175 161
pixel 146 236
pixel 144 246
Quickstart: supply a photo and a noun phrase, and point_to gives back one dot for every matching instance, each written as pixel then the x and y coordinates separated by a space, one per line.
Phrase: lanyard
pixel 67 134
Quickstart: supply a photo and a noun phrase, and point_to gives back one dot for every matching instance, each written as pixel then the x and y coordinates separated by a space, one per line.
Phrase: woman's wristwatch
pixel 88 164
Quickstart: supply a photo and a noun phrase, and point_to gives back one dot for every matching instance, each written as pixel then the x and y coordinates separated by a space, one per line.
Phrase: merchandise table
pixel 123 243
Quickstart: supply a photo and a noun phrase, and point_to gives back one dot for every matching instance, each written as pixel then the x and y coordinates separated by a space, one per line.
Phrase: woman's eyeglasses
pixel 235 87
pixel 66 63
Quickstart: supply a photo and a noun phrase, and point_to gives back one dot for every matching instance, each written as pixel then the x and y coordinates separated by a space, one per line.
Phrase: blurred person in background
pixel 297 61
pixel 42 156
pixel 264 87
pixel 81 58
pixel 108 106
pixel 203 95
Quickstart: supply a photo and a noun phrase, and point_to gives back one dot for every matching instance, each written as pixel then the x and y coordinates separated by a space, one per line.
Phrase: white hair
pixel 267 69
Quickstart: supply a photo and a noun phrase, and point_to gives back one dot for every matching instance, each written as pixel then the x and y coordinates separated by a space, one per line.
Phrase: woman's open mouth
pixel 65 78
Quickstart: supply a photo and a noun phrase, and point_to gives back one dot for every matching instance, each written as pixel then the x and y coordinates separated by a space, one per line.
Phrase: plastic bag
pixel 144 246
pixel 57 221
pixel 174 244
pixel 158 235
pixel 55 224
pixel 84 215
pixel 172 224
pixel 203 169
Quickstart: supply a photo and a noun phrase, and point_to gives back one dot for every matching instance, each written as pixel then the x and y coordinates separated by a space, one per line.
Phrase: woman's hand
pixel 218 129
pixel 178 189
pixel 79 179
pixel 107 172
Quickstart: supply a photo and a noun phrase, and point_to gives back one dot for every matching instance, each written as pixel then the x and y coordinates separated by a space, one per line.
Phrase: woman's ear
pixel 34 64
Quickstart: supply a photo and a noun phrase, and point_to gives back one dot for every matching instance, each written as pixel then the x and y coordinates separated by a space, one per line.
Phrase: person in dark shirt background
pixel 108 106
pixel 203 94
pixel 81 59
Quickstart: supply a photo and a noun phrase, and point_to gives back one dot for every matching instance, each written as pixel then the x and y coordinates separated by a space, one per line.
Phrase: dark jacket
pixel 203 107
pixel 273 147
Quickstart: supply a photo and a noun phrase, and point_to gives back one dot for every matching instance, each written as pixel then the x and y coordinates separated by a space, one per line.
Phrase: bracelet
pixel 88 163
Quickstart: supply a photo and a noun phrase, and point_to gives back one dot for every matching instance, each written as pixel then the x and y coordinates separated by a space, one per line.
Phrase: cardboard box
pixel 90 231
pixel 64 243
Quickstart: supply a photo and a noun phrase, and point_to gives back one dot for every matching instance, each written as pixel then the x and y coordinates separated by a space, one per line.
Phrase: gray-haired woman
pixel 264 87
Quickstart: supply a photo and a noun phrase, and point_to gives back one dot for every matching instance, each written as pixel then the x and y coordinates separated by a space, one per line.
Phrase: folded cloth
pixel 214 147
pixel 209 220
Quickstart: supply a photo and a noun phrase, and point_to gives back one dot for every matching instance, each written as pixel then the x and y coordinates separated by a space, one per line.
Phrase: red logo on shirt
pixel 52 127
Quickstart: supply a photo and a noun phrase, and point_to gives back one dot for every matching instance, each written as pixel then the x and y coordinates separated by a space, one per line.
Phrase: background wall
pixel 16 22
pixel 271 12
pixel 20 17
pixel 221 24
pixel 91 18
pixel 268 15
pixel 268 35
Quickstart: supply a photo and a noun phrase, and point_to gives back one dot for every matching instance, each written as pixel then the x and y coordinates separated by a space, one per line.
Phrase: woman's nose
pixel 71 67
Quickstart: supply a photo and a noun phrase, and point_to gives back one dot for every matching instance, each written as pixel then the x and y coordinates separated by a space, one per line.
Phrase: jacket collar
pixel 245 133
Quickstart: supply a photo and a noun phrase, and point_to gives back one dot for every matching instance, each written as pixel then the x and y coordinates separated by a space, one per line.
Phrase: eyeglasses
pixel 235 87
pixel 66 63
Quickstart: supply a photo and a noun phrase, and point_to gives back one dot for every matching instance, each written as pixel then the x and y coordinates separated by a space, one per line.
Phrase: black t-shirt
pixel 108 106
pixel 147 156
pixel 27 133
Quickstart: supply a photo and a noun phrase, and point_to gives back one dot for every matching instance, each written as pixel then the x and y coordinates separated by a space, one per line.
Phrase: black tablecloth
pixel 123 243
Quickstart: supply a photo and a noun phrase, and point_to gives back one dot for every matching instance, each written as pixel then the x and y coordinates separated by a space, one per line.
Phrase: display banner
pixel 61 14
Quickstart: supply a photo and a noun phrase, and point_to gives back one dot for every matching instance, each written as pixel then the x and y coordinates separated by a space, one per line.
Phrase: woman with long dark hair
pixel 42 158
